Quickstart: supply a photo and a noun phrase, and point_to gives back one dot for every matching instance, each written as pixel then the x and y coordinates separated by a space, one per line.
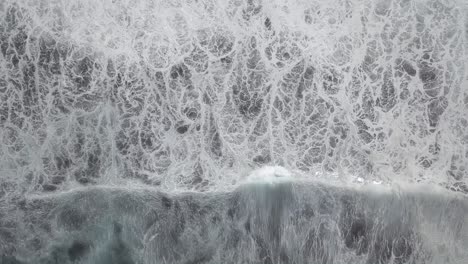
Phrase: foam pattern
pixel 193 94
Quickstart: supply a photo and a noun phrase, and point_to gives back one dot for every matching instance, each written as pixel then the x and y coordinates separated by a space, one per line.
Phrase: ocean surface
pixel 234 131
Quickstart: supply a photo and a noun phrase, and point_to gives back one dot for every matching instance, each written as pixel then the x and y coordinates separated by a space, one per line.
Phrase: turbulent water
pixel 258 223
pixel 128 129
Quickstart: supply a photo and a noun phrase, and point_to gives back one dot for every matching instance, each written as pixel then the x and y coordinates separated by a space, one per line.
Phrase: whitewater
pixel 233 131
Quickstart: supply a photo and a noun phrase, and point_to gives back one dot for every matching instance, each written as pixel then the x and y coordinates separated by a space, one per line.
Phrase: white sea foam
pixel 270 174
pixel 191 94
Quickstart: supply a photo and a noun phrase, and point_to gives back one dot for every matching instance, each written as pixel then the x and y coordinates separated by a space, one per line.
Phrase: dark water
pixel 256 223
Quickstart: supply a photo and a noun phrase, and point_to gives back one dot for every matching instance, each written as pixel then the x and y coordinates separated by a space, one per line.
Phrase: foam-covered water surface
pixel 194 94
pixel 206 96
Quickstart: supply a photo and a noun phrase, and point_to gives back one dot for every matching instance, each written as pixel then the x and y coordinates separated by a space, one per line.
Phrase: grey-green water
pixel 264 223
